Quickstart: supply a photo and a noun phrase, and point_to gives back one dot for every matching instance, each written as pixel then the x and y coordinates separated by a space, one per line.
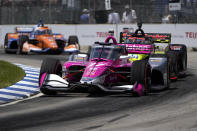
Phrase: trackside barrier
pixel 88 34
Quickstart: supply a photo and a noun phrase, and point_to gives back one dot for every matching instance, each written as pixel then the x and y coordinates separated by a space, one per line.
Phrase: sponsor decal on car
pixel 175 47
pixel 133 56
pixel 137 47
pixel 156 59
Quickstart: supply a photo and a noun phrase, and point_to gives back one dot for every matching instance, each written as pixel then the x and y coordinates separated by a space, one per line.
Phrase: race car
pixel 39 39
pixel 107 69
pixel 177 53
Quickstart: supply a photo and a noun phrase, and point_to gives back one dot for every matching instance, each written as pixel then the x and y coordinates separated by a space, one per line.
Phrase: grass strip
pixel 10 74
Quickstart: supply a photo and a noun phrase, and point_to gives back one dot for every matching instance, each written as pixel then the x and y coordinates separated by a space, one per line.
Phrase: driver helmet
pixel 111 32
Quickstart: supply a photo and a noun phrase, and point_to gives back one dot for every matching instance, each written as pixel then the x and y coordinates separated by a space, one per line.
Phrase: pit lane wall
pixel 88 34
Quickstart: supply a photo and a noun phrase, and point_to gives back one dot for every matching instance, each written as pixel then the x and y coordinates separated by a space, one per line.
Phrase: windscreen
pixel 105 53
pixel 43 32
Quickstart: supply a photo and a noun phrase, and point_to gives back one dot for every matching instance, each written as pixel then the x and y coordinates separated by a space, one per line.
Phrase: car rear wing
pixel 24 29
pixel 138 48
pixel 159 37
pixel 155 37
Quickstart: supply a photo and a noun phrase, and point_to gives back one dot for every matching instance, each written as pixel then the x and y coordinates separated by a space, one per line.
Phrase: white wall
pixel 88 34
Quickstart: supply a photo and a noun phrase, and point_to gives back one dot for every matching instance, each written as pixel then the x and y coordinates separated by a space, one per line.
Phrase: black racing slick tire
pixel 21 41
pixel 141 73
pixel 173 59
pixel 181 49
pixel 50 66
pixel 73 39
pixel 61 45
pixel 6 44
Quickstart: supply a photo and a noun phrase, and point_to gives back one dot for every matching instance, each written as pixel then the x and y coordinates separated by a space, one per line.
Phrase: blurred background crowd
pixel 95 11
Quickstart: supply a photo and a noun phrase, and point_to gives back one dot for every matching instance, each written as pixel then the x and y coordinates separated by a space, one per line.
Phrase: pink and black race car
pixel 109 68
pixel 177 53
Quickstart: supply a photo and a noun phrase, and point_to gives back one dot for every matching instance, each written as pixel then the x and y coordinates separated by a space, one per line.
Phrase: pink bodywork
pixel 138 88
pixel 42 79
pixel 94 68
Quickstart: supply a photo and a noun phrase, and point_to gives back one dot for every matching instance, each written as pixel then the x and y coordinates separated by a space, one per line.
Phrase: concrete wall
pixel 88 34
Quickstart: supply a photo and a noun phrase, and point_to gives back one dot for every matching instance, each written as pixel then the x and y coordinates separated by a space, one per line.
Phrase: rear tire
pixel 50 66
pixel 141 73
pixel 173 59
pixel 182 56
pixel 73 39
pixel 6 44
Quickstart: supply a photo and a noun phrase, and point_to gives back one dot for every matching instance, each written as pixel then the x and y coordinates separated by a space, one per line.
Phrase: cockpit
pixel 106 52
pixel 43 31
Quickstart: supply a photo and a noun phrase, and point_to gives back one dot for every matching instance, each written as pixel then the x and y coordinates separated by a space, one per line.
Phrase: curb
pixel 22 89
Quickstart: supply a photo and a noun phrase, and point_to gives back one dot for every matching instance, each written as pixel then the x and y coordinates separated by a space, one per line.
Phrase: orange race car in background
pixel 39 39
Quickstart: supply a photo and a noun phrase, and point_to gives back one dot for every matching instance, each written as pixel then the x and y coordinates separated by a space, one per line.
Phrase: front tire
pixel 141 73
pixel 49 66
pixel 6 44
pixel 21 41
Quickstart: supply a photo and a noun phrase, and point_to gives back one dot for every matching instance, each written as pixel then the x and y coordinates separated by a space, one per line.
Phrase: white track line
pixel 29 68
pixel 36 76
pixel 28 83
pixel 16 92
pixel 10 96
pixel 25 87
pixel 28 78
pixel 31 72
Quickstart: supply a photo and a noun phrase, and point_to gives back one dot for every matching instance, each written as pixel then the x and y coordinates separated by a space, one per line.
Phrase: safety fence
pixel 69 11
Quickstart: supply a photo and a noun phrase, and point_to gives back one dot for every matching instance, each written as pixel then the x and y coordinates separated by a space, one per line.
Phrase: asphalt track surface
pixel 169 110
